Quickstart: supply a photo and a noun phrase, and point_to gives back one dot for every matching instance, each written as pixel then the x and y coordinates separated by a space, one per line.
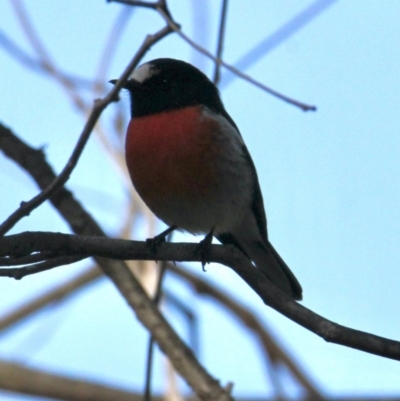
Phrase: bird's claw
pixel 154 243
pixel 204 249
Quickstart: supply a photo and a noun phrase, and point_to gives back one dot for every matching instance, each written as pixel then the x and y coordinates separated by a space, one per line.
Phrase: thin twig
pixel 18 54
pixel 111 45
pixel 221 37
pixel 43 54
pixel 277 37
pixel 99 106
pixel 29 31
pixel 137 3
pixel 188 314
pixel 176 28
pixel 248 78
pixel 150 346
pixel 56 294
pixel 19 273
pixel 26 260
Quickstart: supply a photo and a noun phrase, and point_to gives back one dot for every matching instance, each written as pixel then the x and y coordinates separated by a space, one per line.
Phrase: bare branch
pixel 33 161
pixel 276 38
pixel 99 106
pixel 63 244
pixel 181 357
pixel 56 294
pixel 18 54
pixel 30 32
pixel 19 273
pixel 250 320
pixel 176 28
pixel 248 78
pixel 82 246
pixel 110 46
pixel 137 3
pixel 328 330
pixel 27 260
pixel 17 378
pixel 221 37
pixel 150 346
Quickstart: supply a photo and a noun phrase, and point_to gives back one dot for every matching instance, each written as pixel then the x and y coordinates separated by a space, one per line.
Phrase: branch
pixel 20 245
pixel 181 357
pixel 17 378
pixel 110 47
pixel 249 319
pixel 176 28
pixel 221 37
pixel 279 36
pixel 99 106
pixel 18 54
pixel 58 245
pixel 69 288
pixel 34 163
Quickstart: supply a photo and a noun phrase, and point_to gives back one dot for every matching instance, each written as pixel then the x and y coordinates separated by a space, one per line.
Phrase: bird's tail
pixel 274 263
pixel 267 259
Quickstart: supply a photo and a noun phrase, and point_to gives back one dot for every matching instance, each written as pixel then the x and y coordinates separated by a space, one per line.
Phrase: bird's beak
pixel 130 84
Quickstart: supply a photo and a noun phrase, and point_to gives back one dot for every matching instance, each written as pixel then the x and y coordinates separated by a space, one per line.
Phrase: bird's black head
pixel 167 84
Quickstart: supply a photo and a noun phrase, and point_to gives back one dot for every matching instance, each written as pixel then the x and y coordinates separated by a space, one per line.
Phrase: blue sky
pixel 330 182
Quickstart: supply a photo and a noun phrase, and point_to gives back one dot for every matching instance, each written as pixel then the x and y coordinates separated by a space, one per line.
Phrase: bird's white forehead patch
pixel 144 72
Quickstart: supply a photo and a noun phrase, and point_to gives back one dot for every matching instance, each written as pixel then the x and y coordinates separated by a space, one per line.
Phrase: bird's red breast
pixel 173 157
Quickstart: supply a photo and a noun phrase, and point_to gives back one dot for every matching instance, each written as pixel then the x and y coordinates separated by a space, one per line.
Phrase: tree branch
pixel 17 378
pixel 270 346
pixel 183 360
pixel 23 244
pixel 51 296
pixel 33 161
pixel 99 105
pixel 176 28
pixel 221 37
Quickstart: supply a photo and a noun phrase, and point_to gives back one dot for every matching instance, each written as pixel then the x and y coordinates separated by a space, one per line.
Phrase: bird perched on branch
pixel 188 162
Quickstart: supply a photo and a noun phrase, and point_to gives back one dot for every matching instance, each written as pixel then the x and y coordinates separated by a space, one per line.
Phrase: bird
pixel 190 165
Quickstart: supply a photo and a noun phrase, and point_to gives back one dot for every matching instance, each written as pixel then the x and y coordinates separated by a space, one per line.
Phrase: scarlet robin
pixel 188 162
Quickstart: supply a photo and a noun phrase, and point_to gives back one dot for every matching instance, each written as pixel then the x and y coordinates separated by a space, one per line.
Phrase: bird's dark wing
pixel 257 205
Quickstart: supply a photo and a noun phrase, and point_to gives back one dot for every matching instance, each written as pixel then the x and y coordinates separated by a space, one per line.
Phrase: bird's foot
pixel 204 248
pixel 154 243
